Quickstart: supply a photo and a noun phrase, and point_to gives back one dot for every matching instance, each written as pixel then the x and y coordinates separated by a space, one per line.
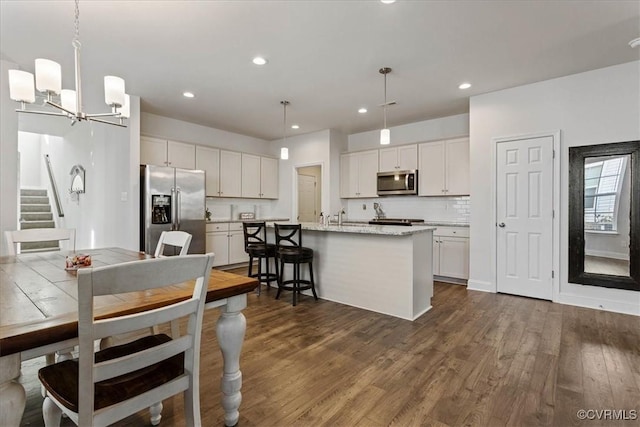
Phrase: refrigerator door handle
pixel 178 208
pixel 174 203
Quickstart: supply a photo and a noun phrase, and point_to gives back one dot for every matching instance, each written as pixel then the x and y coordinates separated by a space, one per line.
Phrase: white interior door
pixel 524 220
pixel 306 198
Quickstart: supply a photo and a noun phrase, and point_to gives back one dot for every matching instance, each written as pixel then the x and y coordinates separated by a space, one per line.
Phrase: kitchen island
pixel 387 269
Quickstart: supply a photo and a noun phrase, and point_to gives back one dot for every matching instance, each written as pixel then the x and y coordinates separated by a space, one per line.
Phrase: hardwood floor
pixel 474 359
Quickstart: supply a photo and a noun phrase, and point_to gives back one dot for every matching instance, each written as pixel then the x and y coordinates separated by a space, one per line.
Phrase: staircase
pixel 35 212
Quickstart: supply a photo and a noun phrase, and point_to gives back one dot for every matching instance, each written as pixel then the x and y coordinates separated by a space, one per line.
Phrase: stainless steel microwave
pixel 398 182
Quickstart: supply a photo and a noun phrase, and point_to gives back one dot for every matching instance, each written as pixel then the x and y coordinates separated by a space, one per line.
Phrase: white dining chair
pixel 179 239
pixel 99 388
pixel 40 235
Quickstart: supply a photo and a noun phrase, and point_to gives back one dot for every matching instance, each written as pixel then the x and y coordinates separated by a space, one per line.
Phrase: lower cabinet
pixel 226 241
pixel 451 252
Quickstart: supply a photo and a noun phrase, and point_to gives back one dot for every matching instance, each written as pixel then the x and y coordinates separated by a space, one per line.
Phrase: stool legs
pixel 295 283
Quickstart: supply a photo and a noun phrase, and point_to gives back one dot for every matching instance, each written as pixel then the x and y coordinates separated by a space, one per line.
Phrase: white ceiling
pixel 323 56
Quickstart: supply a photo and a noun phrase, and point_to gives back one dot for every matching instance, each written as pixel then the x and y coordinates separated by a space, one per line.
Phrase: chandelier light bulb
pixel 114 91
pixel 21 86
pixel 68 100
pixel 48 76
pixel 385 137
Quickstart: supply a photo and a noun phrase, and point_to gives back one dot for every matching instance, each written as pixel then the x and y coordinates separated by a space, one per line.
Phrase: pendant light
pixel 284 151
pixel 385 133
pixel 48 81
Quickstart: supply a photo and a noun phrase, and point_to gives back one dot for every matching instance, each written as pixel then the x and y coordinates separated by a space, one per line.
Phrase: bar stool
pixel 256 246
pixel 291 251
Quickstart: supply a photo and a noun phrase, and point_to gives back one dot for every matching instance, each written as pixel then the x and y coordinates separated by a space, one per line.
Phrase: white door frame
pixel 294 187
pixel 555 135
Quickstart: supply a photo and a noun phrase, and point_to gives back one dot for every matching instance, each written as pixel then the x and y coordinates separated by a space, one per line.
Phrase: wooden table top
pixel 38 297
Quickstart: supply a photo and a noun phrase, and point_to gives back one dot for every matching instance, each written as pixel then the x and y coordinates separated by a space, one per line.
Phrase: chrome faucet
pixel 379 212
pixel 340 214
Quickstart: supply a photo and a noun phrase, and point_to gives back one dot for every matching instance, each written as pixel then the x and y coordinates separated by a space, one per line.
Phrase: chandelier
pixel 284 151
pixel 385 133
pixel 48 82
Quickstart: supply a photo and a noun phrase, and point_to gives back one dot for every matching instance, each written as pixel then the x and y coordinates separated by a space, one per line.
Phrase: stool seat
pixel 291 251
pixel 260 250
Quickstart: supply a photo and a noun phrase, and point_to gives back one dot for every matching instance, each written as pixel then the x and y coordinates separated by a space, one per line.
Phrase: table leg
pixel 230 331
pixel 12 395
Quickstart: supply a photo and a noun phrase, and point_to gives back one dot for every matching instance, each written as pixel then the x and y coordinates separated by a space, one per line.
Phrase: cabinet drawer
pixel 452 231
pixel 217 226
pixel 235 226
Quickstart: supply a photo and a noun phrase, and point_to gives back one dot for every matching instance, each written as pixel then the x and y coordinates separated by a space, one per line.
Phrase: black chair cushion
pixel 258 250
pixel 293 254
pixel 61 379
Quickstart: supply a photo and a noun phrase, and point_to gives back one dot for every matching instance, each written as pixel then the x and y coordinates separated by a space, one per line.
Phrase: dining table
pixel 39 317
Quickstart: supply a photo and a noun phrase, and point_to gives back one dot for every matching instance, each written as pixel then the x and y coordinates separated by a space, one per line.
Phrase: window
pixel 602 184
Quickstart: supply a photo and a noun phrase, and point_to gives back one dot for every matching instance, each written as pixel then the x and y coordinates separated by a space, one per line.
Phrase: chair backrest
pixel 178 239
pixel 40 235
pixel 255 233
pixel 139 276
pixel 288 234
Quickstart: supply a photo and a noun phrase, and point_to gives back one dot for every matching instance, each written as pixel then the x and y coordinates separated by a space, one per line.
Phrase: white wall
pixel 304 150
pixel 8 157
pixel 31 161
pixel 177 130
pixel 594 107
pixel 427 130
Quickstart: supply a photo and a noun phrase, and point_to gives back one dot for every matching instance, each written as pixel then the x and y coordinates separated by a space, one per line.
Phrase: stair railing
pixel 54 187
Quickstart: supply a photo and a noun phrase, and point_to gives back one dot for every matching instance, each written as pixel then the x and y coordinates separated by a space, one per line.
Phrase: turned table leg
pixel 230 332
pixel 12 395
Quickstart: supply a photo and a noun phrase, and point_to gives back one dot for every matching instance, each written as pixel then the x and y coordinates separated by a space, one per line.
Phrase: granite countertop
pixel 426 223
pixel 364 228
pixel 218 220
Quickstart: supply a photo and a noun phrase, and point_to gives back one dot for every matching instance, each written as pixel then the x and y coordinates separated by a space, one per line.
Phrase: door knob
pixel 501 225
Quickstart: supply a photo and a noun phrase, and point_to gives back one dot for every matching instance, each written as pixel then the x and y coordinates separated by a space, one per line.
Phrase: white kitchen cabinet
pixel 208 160
pixel 451 252
pixel 230 174
pixel 404 157
pixel 154 151
pixel 358 174
pixel 444 168
pixel 259 177
pixel 226 241
pixel 268 178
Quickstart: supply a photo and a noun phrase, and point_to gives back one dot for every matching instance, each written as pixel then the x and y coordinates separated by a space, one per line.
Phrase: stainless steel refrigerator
pixel 171 199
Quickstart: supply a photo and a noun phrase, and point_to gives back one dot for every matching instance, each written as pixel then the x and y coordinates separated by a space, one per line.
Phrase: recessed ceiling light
pixel 464 86
pixel 387 1
pixel 188 94
pixel 258 60
pixel 362 110
pixel 295 127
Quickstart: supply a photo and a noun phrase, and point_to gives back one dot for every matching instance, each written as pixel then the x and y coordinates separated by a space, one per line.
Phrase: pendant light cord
pixel 76 37
pixel 284 124
pixel 385 101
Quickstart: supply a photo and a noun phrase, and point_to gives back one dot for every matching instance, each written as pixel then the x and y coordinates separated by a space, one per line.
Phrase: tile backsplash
pixel 231 208
pixel 447 209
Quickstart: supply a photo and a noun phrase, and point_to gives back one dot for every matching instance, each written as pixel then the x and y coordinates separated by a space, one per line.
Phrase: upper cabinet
pixel 404 157
pixel 154 151
pixel 208 160
pixel 230 174
pixel 259 177
pixel 358 174
pixel 444 168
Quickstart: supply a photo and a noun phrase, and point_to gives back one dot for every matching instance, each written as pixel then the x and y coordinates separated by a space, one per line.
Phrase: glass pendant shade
pixel 385 137
pixel 284 153
pixel 21 86
pixel 114 91
pixel 125 110
pixel 48 76
pixel 68 100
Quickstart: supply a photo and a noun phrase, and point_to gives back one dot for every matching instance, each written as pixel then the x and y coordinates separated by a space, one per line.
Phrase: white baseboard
pixel 606 254
pixel 482 286
pixel 632 307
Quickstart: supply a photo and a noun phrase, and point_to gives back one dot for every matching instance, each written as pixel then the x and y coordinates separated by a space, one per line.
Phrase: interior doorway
pixel 309 193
